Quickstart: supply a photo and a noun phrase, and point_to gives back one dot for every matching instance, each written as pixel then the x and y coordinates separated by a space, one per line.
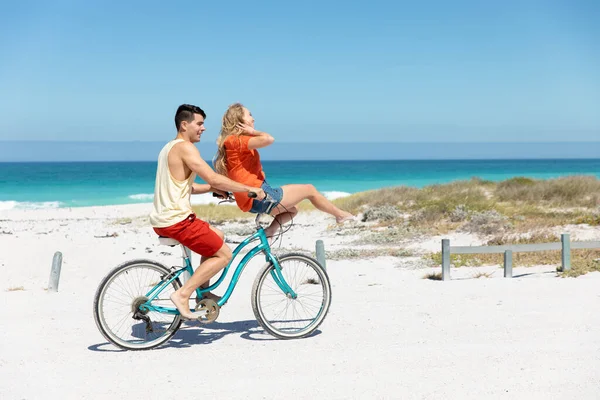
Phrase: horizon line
pixel 320 160
pixel 280 141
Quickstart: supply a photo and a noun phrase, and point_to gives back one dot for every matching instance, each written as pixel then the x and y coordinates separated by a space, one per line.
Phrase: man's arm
pixel 200 188
pixel 191 157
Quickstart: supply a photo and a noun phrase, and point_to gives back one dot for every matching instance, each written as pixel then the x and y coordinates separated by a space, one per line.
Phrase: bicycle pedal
pixel 200 312
pixel 196 315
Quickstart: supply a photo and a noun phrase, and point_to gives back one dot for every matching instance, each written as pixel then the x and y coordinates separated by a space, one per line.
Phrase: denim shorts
pixel 265 207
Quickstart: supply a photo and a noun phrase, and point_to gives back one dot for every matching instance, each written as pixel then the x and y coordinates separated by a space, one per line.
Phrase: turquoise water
pixel 74 184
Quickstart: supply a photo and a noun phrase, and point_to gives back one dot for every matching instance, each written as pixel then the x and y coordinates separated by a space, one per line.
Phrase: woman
pixel 237 158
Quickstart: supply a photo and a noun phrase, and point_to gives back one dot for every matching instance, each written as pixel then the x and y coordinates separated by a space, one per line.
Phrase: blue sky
pixel 311 71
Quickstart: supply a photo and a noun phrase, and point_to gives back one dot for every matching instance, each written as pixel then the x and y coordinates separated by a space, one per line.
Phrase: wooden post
pixel 55 272
pixel 566 251
pixel 508 264
pixel 320 251
pixel 445 259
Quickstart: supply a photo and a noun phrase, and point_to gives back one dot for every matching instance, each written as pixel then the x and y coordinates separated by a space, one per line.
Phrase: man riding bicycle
pixel 179 162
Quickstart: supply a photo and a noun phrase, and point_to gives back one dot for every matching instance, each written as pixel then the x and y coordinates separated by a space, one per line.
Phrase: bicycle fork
pixel 278 277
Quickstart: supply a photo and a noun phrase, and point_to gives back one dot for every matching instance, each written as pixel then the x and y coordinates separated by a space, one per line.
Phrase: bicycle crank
pixel 210 307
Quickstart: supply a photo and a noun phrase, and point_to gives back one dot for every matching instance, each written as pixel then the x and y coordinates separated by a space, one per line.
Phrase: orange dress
pixel 243 166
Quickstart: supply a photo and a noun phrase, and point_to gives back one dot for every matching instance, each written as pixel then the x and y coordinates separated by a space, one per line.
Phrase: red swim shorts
pixel 194 234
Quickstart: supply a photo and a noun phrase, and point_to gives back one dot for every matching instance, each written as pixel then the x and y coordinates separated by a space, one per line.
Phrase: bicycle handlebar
pixel 252 195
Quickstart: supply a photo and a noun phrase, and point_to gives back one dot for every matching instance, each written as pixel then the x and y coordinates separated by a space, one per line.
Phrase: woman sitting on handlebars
pixel 237 158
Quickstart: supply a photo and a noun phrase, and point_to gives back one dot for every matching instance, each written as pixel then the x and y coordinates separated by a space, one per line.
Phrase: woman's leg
pixel 294 194
pixel 282 216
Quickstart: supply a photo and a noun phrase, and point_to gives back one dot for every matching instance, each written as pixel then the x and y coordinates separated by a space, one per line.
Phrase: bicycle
pixel 135 290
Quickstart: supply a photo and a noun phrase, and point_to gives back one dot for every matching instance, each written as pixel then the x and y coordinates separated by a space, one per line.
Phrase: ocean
pixel 78 184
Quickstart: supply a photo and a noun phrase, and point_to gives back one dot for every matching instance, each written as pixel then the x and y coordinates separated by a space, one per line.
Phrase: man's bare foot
pixel 346 216
pixel 183 305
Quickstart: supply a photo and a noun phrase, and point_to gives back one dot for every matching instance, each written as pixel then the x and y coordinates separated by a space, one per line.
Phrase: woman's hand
pixel 247 129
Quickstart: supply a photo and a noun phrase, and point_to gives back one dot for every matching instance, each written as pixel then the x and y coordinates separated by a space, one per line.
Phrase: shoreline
pixel 64 187
pixel 197 199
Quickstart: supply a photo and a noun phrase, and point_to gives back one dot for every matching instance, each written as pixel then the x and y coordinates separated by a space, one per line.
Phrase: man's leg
pixel 202 259
pixel 207 269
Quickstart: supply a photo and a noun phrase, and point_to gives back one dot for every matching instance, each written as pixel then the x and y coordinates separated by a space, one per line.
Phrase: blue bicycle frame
pixel 262 247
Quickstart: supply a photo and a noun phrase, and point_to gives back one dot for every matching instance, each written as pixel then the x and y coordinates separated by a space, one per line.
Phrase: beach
pixel 389 334
pixel 457 145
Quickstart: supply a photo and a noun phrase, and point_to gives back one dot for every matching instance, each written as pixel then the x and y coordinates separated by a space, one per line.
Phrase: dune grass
pixel 433 276
pixel 582 262
pixel 353 253
pixel 574 191
pixel 523 204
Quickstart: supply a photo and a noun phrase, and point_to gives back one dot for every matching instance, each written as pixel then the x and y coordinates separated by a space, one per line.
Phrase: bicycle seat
pixel 167 241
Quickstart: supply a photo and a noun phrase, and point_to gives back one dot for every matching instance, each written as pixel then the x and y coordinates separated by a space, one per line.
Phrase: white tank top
pixel 171 196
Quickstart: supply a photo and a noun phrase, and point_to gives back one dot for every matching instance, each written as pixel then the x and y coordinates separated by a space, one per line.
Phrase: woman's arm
pixel 190 156
pixel 259 139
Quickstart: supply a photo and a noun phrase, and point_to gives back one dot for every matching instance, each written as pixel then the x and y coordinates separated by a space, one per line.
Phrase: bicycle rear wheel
pixel 287 318
pixel 117 301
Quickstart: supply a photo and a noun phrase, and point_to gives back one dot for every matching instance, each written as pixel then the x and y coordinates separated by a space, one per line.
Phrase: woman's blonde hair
pixel 233 116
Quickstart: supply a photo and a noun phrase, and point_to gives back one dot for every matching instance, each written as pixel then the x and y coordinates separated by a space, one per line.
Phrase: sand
pixel 389 334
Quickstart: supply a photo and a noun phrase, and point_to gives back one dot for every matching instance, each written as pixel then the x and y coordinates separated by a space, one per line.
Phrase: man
pixel 178 164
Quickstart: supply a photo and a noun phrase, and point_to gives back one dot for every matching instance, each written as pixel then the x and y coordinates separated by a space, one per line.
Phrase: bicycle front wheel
pixel 284 317
pixel 117 301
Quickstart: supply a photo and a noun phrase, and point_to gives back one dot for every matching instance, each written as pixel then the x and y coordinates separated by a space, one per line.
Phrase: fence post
pixel 508 264
pixel 55 272
pixel 566 251
pixel 445 259
pixel 320 251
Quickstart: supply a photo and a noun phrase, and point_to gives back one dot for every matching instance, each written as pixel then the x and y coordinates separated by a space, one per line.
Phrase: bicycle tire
pixel 100 299
pixel 271 325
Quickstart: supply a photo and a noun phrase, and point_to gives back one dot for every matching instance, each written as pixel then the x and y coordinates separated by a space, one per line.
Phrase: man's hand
pixel 220 193
pixel 247 129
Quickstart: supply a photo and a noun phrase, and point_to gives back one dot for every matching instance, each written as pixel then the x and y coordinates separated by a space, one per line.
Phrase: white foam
pixel 28 205
pixel 142 196
pixel 8 205
pixel 335 195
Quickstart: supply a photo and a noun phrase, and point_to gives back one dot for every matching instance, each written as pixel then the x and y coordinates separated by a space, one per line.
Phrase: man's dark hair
pixel 185 112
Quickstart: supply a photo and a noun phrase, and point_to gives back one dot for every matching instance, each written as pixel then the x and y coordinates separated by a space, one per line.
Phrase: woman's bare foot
pixel 182 304
pixel 346 216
